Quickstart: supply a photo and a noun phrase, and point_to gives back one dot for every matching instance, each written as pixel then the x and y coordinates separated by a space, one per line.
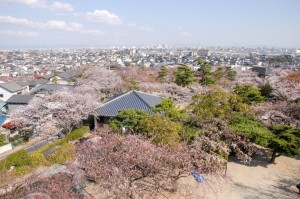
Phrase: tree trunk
pixel 272 161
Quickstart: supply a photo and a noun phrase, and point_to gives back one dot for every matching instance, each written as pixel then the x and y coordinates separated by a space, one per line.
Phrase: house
pixel 65 78
pixel 16 101
pixel 48 89
pixel 9 89
pixel 32 83
pixel 130 100
pixel 262 70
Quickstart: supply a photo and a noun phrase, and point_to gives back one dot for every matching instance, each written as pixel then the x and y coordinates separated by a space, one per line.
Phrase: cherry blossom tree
pixel 99 83
pixel 278 112
pixel 244 77
pixel 284 88
pixel 63 109
pixel 129 166
pixel 60 185
pixel 139 74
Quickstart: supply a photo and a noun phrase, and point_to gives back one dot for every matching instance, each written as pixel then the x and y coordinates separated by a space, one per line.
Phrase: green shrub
pixel 37 159
pixel 18 159
pixel 249 94
pixel 25 162
pixel 14 138
pixel 64 153
pixel 129 118
pixel 76 134
pixel 252 129
pixel 162 130
pixel 22 170
pixel 2 139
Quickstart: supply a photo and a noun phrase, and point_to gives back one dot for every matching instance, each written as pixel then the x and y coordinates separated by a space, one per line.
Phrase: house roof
pixel 20 99
pixel 262 70
pixel 130 100
pixel 48 77
pixel 49 88
pixel 65 75
pixel 11 86
pixel 32 83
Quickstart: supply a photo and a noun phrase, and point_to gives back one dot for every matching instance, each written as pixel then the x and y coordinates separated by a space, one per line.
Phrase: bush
pixel 18 159
pixel 76 134
pixel 184 76
pixel 2 139
pixel 128 118
pixel 249 94
pixel 254 130
pixel 12 139
pixel 64 153
pixel 161 129
pixel 37 159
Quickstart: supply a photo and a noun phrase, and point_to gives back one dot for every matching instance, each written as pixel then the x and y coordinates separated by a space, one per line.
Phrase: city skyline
pixel 75 24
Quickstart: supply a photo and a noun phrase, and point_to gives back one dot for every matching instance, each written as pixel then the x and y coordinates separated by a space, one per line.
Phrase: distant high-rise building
pixel 202 53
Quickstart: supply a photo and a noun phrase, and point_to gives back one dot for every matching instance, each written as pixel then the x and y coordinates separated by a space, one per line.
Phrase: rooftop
pixel 130 100
pixel 20 99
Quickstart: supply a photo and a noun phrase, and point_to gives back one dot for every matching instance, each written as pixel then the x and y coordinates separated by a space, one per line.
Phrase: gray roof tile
pixel 11 86
pixel 131 100
pixel 20 99
pixel 49 88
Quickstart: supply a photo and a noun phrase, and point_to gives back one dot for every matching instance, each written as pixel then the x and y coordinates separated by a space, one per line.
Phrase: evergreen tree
pixel 205 69
pixel 162 74
pixel 249 94
pixel 286 141
pixel 184 76
pixel 128 118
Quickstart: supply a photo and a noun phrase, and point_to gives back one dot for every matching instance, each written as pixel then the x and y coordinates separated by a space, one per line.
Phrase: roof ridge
pixel 135 92
pixel 114 99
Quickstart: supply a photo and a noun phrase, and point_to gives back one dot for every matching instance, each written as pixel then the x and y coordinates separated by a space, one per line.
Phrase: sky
pixel 104 23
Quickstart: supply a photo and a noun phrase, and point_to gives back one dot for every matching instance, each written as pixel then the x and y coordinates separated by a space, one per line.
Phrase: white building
pixel 9 89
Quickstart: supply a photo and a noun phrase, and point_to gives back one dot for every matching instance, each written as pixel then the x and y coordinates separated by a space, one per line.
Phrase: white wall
pixel 6 94
pixel 5 148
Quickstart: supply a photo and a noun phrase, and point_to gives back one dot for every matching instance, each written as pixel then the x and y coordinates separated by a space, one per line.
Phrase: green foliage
pixel 128 118
pixel 254 130
pixel 55 79
pixel 134 84
pixel 212 105
pixel 18 159
pixel 280 59
pixel 225 72
pixel 65 152
pixel 12 139
pixel 38 159
pixel 74 135
pixel 168 108
pixel 2 139
pixel 266 90
pixel 249 94
pixel 162 74
pixel 216 104
pixel 22 161
pixel 286 140
pixel 161 129
pixel 25 162
pixel 208 80
pixel 189 134
pixel 184 76
pixel 205 69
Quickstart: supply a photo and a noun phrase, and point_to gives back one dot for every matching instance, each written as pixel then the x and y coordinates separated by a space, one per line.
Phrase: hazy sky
pixel 86 23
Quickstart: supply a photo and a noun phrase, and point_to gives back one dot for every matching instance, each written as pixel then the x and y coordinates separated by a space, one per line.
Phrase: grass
pixel 25 162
